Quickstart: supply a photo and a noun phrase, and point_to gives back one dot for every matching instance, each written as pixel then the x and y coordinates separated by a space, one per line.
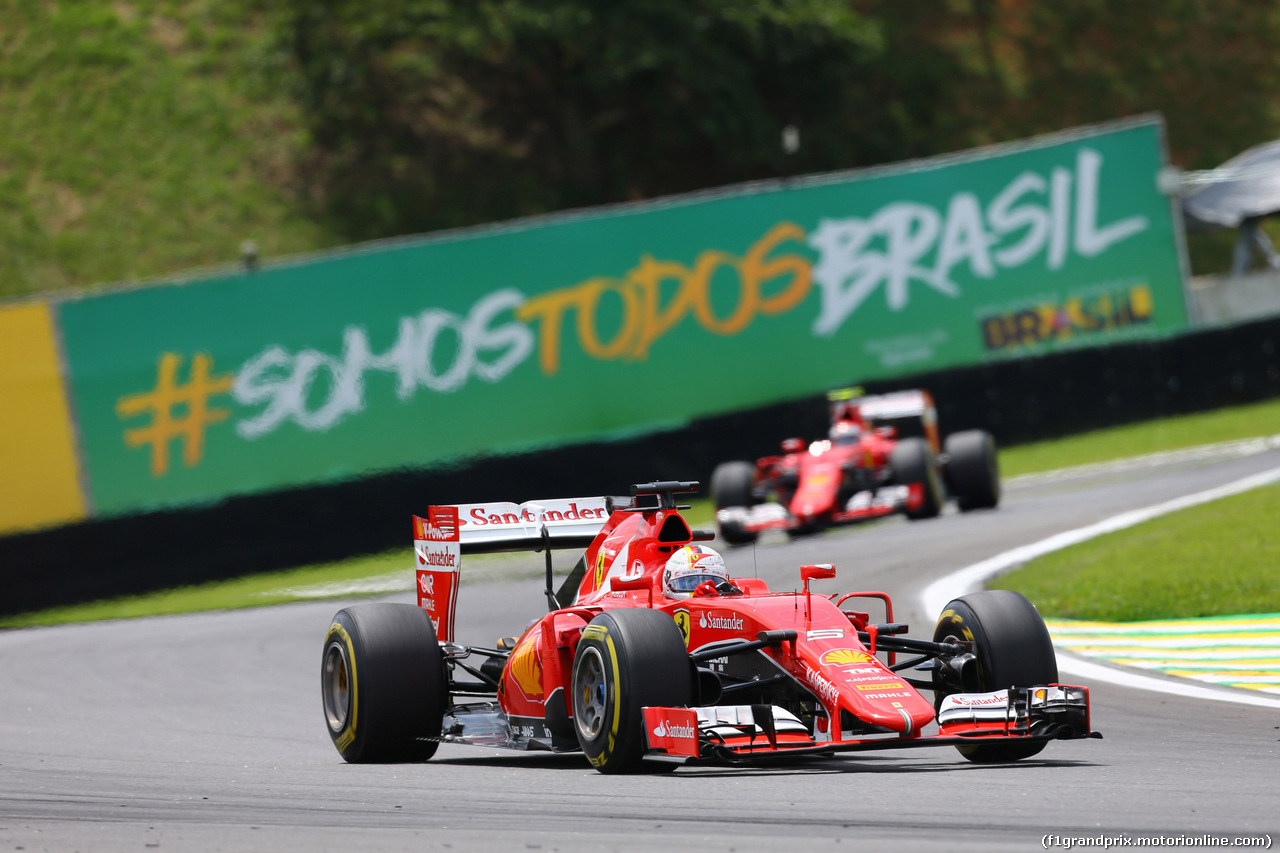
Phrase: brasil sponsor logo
pixel 720 622
pixel 847 657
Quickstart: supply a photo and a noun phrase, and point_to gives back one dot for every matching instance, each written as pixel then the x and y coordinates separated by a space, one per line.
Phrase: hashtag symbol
pixel 168 420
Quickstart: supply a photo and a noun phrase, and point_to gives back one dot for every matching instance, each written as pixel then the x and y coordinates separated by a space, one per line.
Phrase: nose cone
pixel 891 704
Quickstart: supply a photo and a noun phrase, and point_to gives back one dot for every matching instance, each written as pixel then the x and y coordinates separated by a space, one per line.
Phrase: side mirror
pixel 637 582
pixel 819 571
pixel 792 445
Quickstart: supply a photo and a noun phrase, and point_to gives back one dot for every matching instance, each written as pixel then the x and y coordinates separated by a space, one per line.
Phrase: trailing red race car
pixel 881 456
pixel 651 650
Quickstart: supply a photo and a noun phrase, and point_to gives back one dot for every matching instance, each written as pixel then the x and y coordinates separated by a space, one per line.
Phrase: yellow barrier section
pixel 38 484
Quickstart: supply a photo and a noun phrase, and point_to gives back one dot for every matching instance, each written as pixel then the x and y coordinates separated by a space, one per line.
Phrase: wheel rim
pixel 590 694
pixel 337 687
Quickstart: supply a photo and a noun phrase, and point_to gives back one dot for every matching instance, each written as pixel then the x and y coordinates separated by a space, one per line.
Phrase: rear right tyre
pixel 382 683
pixel 972 473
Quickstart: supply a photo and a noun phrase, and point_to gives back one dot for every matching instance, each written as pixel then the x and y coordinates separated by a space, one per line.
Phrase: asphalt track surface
pixel 205 733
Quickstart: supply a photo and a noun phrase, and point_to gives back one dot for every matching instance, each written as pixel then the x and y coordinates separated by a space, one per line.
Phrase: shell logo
pixel 527 669
pixel 845 657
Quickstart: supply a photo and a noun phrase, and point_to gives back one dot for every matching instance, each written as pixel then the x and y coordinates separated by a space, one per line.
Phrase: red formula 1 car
pixel 881 456
pixel 651 650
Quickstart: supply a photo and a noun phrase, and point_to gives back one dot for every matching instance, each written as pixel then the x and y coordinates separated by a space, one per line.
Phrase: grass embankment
pixel 141 138
pixel 1222 554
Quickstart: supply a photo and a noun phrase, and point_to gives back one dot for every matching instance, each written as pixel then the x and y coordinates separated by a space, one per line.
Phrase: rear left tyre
pixel 626 659
pixel 972 473
pixel 382 683
pixel 1013 648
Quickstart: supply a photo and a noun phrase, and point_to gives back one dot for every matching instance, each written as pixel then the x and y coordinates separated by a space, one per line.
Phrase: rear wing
pixel 560 523
pixel 910 412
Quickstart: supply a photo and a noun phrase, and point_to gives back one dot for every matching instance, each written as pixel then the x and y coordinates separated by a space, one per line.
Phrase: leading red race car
pixel 881 456
pixel 651 650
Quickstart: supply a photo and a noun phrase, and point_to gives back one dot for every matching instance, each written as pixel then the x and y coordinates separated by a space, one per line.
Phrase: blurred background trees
pixel 428 114
pixel 153 135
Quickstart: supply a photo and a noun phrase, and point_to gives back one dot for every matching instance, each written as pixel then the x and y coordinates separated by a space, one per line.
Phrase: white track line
pixel 937 594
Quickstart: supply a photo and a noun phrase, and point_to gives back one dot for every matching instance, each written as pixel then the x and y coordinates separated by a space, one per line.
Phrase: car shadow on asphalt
pixel 820 764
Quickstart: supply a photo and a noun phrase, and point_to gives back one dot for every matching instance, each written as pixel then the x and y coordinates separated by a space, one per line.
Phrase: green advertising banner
pixel 626 319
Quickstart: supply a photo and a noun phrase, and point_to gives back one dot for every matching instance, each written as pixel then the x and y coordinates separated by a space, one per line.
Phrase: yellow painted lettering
pixel 589 300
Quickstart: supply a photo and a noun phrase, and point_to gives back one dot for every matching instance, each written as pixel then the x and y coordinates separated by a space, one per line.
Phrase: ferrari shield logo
pixel 600 568
pixel 682 622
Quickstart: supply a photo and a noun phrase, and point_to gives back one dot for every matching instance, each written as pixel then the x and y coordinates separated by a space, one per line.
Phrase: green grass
pixel 1248 570
pixel 140 139
pixel 1258 419
pixel 1217 559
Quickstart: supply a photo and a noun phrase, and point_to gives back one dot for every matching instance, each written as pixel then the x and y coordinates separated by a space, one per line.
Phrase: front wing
pixel 863 506
pixel 742 733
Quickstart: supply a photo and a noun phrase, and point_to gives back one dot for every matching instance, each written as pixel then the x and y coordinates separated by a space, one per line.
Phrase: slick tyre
pixel 912 461
pixel 382 682
pixel 1013 649
pixel 731 486
pixel 972 474
pixel 626 659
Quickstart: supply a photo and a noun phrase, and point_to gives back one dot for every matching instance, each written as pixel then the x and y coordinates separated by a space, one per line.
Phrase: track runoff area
pixel 1200 651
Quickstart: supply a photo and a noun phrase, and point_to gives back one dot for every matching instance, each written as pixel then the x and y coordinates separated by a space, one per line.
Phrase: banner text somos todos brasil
pixel 624 319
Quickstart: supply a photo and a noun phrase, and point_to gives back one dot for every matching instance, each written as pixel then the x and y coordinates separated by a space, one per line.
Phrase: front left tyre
pixel 627 659
pixel 382 683
pixel 732 484
pixel 1013 648
pixel 912 461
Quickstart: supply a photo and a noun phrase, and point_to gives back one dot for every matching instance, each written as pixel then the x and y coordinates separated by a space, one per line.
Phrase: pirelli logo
pixel 888 685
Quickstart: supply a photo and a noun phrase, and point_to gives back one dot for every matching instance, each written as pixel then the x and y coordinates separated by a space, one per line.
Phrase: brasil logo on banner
pixel 438 550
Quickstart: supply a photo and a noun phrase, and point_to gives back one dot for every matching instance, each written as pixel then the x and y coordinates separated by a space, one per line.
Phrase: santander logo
pixel 721 623
pixel 669 729
pixel 979 700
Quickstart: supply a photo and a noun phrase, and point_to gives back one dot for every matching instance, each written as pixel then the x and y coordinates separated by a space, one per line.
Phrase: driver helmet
pixel 845 432
pixel 691 566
